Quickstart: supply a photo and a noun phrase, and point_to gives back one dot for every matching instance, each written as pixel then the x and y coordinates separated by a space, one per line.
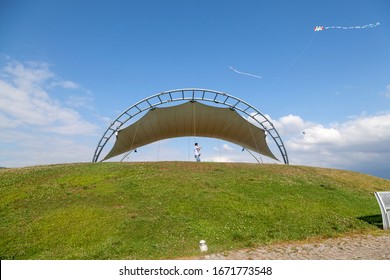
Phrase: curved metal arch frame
pixel 191 94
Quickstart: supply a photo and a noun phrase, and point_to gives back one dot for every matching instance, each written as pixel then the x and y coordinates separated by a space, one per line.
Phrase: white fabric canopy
pixel 191 119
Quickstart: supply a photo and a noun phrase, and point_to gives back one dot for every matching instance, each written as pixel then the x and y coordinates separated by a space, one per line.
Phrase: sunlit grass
pixel 161 210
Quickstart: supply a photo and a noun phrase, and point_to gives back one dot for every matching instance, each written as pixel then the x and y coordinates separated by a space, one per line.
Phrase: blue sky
pixel 68 68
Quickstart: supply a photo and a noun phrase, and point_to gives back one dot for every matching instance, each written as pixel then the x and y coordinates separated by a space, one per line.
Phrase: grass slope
pixel 161 210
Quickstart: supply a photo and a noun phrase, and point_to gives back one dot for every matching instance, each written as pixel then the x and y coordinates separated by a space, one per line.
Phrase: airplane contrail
pixel 243 73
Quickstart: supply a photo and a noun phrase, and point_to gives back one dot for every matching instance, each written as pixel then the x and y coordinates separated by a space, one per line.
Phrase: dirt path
pixel 364 247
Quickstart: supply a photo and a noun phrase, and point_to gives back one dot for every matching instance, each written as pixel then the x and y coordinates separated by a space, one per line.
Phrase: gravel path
pixel 364 247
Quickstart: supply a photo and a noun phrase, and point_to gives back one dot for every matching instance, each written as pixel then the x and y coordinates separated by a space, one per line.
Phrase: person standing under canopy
pixel 197 152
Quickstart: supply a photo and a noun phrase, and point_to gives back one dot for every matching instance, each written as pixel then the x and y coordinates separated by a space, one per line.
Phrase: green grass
pixel 161 210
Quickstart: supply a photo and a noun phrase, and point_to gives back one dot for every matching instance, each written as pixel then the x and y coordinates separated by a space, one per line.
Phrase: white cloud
pixel 387 92
pixel 36 127
pixel 24 101
pixel 81 101
pixel 320 135
pixel 290 124
pixel 217 158
pixel 43 148
pixel 65 84
pixel 227 147
pixel 355 144
pixel 350 87
pixel 28 76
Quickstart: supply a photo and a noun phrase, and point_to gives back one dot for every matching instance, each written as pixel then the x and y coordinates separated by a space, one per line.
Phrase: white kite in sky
pixel 243 73
pixel 371 25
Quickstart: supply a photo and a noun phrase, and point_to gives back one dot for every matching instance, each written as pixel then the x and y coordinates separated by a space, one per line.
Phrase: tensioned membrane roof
pixel 191 119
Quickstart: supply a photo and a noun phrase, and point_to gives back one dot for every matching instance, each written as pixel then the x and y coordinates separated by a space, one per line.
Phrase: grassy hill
pixel 161 210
